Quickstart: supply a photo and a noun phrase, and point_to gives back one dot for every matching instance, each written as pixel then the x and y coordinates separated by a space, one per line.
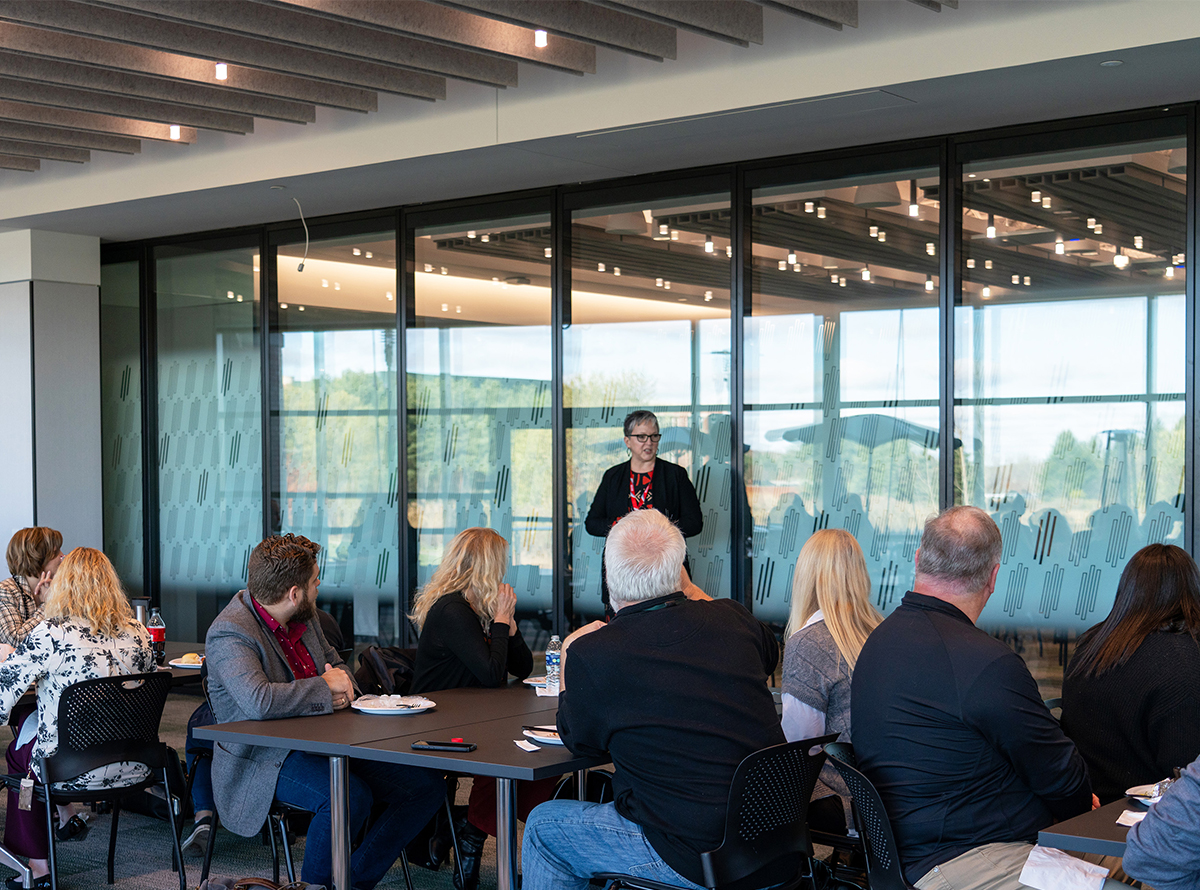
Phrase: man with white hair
pixel 675 691
pixel 950 727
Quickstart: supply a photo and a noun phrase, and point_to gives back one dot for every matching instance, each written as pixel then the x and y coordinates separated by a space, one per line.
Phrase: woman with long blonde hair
pixel 88 632
pixel 831 618
pixel 469 637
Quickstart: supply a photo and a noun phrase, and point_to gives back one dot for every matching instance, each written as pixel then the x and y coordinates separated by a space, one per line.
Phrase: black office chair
pixel 884 871
pixel 100 722
pixel 766 836
pixel 1054 704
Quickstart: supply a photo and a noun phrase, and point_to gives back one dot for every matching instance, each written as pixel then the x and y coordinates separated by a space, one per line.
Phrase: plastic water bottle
pixel 553 662
pixel 158 636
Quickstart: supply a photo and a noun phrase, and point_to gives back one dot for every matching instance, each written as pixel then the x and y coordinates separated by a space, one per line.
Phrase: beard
pixel 305 612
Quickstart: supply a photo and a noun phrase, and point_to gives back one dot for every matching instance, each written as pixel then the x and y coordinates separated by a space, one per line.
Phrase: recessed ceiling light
pixel 175 132
pixel 222 71
pixel 356 252
pixel 539 40
pixel 1111 63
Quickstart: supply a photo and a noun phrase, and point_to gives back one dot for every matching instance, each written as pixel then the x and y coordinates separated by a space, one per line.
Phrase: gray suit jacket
pixel 249 679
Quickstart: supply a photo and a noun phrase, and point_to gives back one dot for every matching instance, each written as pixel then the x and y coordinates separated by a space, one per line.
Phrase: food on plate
pixel 190 658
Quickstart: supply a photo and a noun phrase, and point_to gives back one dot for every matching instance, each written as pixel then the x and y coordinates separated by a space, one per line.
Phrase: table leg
pixel 506 834
pixel 581 784
pixel 339 805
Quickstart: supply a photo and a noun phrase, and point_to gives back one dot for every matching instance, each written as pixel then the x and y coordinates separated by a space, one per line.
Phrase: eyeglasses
pixel 643 439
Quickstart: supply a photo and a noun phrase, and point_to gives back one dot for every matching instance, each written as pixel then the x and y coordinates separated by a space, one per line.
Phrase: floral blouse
pixel 19 612
pixel 60 652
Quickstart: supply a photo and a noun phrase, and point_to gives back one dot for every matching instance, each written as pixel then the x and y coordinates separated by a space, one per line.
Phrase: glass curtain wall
pixel 334 451
pixel 1070 371
pixel 841 372
pixel 209 436
pixel 121 420
pixel 478 363
pixel 649 329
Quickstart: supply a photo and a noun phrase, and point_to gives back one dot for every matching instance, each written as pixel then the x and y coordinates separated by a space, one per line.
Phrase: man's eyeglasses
pixel 644 438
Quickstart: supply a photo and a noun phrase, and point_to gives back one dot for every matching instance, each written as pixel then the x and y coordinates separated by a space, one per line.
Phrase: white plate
pixel 186 665
pixel 392 704
pixel 534 681
pixel 548 736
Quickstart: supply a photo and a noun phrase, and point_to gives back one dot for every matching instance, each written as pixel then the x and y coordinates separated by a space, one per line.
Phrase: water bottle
pixel 158 636
pixel 553 662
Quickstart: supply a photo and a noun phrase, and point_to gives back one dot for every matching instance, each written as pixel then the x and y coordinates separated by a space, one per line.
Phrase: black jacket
pixel 950 727
pixel 648 689
pixel 672 495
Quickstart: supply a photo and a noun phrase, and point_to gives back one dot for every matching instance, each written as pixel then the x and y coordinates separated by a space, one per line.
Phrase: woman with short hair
pixel 831 618
pixel 1131 695
pixel 469 637
pixel 644 482
pixel 33 556
pixel 89 631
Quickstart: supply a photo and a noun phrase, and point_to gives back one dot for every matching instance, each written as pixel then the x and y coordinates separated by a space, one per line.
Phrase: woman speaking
pixel 644 482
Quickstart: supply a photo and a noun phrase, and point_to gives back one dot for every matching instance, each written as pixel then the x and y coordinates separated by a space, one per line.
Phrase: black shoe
pixel 74 829
pixel 470 849
pixel 14 883
pixel 197 842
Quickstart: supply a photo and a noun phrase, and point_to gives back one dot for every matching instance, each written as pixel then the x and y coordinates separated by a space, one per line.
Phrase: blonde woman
pixel 470 638
pixel 830 620
pixel 88 632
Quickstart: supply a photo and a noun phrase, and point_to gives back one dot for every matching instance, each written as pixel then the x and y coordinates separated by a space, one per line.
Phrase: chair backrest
pixel 108 720
pixel 766 833
pixel 883 858
pixel 385 670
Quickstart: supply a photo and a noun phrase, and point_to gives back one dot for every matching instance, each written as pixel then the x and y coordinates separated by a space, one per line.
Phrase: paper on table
pixel 1049 869
pixel 541 690
pixel 1131 817
pixel 526 746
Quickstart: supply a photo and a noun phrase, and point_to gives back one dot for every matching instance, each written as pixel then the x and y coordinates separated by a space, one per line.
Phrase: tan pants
pixel 990 867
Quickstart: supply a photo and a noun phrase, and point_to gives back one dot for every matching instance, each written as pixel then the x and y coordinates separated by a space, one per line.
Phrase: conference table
pixel 490 718
pixel 1093 832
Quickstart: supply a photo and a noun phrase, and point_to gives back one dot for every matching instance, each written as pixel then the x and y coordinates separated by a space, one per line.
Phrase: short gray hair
pixel 960 545
pixel 643 556
pixel 633 418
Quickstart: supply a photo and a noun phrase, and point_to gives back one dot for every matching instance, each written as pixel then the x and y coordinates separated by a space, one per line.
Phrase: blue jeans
pixel 412 795
pixel 568 841
pixel 202 793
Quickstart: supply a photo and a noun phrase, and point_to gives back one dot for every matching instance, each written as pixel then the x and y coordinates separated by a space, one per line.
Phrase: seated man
pixel 1163 849
pixel 675 691
pixel 949 725
pixel 267 659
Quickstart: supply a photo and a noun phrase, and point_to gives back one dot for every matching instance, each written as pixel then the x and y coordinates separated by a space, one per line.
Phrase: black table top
pixel 496 753
pixel 1094 832
pixel 340 733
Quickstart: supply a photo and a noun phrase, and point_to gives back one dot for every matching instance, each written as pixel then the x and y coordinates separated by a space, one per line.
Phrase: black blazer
pixel 672 495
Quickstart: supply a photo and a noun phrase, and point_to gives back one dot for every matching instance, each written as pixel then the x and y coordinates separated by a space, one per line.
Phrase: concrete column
pixel 50 446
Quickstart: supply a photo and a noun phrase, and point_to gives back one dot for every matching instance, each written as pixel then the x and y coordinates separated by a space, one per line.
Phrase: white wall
pixel 66 387
pixel 16 409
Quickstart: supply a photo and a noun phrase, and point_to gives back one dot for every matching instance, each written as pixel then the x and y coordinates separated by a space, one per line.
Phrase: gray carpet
pixel 143 860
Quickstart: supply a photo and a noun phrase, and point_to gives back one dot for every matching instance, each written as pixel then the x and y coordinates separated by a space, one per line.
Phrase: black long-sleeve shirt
pixel 454 652
pixel 1138 721
pixel 949 726
pixel 675 691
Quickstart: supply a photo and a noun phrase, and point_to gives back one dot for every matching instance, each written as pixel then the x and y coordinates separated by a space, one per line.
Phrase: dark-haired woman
pixel 33 556
pixel 1131 697
pixel 644 482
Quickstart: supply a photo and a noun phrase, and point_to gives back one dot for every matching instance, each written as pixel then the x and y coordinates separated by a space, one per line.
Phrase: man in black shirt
pixel 949 725
pixel 675 691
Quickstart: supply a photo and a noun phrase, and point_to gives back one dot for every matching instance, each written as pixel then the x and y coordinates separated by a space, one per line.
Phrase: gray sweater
pixel 816 674
pixel 1164 848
